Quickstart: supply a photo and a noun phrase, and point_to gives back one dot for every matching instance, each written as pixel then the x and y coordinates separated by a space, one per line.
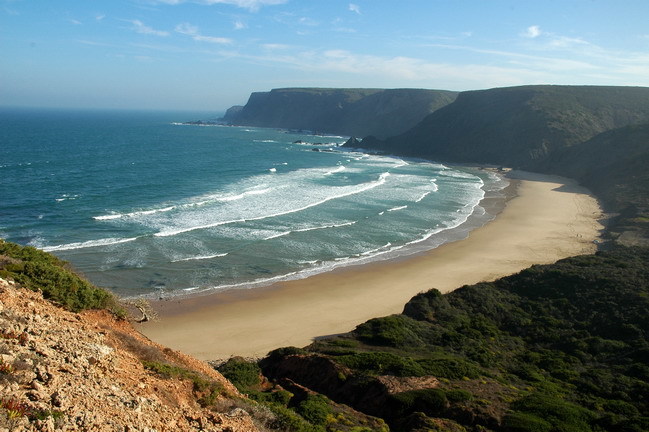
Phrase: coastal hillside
pixel 519 126
pixel 561 347
pixel 597 135
pixel 353 112
pixel 613 165
pixel 71 360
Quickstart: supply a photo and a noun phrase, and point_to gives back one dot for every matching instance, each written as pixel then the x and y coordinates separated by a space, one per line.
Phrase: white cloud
pixel 251 5
pixel 212 39
pixel 532 32
pixel 186 29
pixel 139 27
pixel 100 17
pixel 239 25
pixel 355 8
pixel 191 30
pixel 308 22
pixel 270 46
pixel 75 22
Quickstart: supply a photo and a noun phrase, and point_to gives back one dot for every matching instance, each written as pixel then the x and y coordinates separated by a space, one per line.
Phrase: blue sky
pixel 211 54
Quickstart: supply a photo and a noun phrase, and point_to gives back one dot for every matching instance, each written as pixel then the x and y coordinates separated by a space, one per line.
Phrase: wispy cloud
pixel 306 21
pixel 355 8
pixel 239 25
pixel 532 32
pixel 140 27
pixel 251 5
pixel 271 46
pixel 192 31
pixel 100 17
pixel 74 21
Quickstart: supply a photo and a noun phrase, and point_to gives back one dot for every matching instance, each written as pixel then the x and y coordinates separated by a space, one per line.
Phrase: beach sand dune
pixel 547 219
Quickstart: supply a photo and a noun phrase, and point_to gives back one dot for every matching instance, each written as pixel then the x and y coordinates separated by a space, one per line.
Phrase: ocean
pixel 144 205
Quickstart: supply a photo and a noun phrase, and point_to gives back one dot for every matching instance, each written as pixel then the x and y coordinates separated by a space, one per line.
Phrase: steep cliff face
pixel 519 126
pixel 356 112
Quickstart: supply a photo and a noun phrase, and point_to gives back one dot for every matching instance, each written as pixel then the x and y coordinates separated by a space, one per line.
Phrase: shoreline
pixel 547 219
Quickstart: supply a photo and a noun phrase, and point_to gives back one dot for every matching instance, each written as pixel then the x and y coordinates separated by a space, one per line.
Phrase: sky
pixel 211 54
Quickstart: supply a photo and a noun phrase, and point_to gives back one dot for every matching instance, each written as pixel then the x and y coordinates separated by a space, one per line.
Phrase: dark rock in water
pixel 299 142
pixel 202 123
pixel 315 149
pixel 352 142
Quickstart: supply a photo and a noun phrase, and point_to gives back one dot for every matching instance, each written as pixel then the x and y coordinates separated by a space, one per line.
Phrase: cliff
pixel 354 112
pixel 519 126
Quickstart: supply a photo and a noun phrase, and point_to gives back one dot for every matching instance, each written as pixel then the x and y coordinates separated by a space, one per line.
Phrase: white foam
pixel 325 227
pixel 373 251
pixel 240 196
pixel 169 233
pixel 282 234
pixel 134 214
pixel 360 189
pixel 398 208
pixel 89 244
pixel 336 170
pixel 422 197
pixel 200 257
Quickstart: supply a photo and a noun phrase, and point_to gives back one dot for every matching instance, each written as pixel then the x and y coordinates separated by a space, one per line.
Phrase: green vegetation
pixel 40 271
pixel 292 408
pixel 519 126
pixel 245 375
pixel 562 347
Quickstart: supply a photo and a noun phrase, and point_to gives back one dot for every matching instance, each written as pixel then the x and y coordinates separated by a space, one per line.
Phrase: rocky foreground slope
pixel 65 371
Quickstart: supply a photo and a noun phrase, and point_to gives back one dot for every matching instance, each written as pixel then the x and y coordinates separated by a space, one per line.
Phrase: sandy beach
pixel 547 219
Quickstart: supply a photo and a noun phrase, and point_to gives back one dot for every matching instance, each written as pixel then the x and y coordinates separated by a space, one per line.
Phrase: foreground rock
pixel 78 372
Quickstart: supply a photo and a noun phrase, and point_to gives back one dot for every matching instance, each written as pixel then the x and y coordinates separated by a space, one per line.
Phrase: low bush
pixel 243 374
pixel 40 271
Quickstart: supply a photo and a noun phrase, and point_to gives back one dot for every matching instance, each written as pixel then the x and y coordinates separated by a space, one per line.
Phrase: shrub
pixel 315 409
pixel 428 401
pixel 452 368
pixel 40 271
pixel 458 395
pixel 289 420
pixel 523 422
pixel 382 363
pixel 243 374
pixel 394 330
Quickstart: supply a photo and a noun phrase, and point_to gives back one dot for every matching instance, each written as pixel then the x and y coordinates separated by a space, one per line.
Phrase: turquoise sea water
pixel 145 206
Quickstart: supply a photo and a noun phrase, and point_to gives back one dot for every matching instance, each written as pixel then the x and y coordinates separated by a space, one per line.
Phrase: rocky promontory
pixel 357 112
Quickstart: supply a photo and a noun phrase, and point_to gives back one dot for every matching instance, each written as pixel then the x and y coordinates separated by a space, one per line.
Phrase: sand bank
pixel 549 218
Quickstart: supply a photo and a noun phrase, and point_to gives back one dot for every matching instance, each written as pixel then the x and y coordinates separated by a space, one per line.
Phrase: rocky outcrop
pixel 358 112
pixel 78 372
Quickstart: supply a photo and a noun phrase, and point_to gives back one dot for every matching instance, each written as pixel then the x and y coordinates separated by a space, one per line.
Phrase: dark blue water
pixel 143 205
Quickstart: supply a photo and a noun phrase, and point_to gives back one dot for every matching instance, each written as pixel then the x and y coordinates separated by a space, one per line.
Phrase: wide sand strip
pixel 549 218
